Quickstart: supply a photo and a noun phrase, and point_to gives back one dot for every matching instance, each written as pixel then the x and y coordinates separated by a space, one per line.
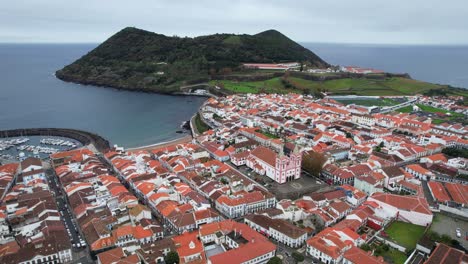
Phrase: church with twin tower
pixel 282 167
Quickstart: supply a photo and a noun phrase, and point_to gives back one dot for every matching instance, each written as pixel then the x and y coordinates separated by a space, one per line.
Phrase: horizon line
pixel 300 42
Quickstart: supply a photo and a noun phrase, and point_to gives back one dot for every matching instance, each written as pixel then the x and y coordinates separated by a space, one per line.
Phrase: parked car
pixel 458 231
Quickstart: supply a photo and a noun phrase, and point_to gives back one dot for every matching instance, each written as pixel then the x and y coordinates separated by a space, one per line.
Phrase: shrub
pixel 275 260
pixel 298 256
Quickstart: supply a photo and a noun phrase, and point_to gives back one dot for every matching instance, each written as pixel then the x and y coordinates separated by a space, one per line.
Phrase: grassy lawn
pixel 430 109
pixel 378 87
pixel 438 121
pixel 406 109
pixel 267 134
pixel 389 254
pixel 405 234
pixel 395 256
pixel 370 102
pixel 201 126
pixel 273 85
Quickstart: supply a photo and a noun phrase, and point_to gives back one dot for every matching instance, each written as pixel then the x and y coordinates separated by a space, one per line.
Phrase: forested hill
pixel 143 60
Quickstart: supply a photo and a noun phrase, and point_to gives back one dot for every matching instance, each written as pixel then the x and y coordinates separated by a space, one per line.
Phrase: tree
pixel 172 258
pixel 313 162
pixel 385 247
pixel 366 247
pixel 453 152
pixel 224 181
pixel 275 260
pixel 298 256
pixel 226 71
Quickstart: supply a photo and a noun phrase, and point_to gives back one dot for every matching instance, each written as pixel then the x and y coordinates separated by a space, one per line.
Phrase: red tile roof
pixel 265 154
pixel 457 192
pixel 188 244
pixel 330 243
pixel 256 246
pixel 438 191
pixel 357 255
pixel 246 198
pixel 446 255
pixel 111 256
pixel 409 203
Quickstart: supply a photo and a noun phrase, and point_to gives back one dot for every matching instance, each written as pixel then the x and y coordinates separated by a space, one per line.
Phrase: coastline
pixel 181 140
pixel 139 90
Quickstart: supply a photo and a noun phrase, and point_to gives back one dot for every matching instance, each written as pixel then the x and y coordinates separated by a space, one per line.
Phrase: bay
pixel 31 96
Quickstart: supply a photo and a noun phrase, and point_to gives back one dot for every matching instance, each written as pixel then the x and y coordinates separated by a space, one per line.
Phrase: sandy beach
pixel 185 139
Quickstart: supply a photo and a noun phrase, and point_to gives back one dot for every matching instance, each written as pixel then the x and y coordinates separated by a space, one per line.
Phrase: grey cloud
pixel 358 21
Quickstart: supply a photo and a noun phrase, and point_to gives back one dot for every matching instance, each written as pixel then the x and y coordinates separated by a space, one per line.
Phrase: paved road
pixel 443 224
pixel 286 253
pixel 80 254
pixel 427 194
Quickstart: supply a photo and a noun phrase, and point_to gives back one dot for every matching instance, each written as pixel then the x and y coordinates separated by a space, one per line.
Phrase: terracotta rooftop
pixel 409 203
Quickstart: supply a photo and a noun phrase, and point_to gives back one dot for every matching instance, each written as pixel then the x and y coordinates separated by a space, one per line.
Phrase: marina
pixel 58 142
pixel 15 149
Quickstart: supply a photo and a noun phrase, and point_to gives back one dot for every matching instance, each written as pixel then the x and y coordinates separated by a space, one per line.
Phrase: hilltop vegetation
pixel 345 86
pixel 141 60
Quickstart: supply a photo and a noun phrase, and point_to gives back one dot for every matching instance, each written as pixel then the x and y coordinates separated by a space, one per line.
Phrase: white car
pixel 458 231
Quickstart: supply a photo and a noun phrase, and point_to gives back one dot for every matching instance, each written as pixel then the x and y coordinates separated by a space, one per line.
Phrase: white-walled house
pixel 330 245
pixel 31 169
pixel 278 229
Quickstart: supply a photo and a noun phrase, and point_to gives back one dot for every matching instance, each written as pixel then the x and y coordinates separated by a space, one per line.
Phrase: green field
pixel 389 254
pixel 430 109
pixel 201 126
pixel 269 86
pixel 394 256
pixel 369 102
pixel 406 109
pixel 405 234
pixel 268 134
pixel 389 86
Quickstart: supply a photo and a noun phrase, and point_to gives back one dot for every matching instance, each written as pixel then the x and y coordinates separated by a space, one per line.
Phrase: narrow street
pixel 79 246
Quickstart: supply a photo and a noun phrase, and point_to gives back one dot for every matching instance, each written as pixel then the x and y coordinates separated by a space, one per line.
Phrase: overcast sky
pixel 341 21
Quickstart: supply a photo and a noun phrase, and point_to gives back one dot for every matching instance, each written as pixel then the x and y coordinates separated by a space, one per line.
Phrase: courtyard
pixel 297 188
pixel 290 190
pixel 405 234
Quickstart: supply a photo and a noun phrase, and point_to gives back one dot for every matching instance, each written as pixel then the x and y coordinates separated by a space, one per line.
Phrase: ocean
pixel 31 96
pixel 436 64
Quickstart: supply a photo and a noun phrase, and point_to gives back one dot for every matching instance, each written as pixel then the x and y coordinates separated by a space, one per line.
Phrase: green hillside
pixel 141 60
pixel 345 86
